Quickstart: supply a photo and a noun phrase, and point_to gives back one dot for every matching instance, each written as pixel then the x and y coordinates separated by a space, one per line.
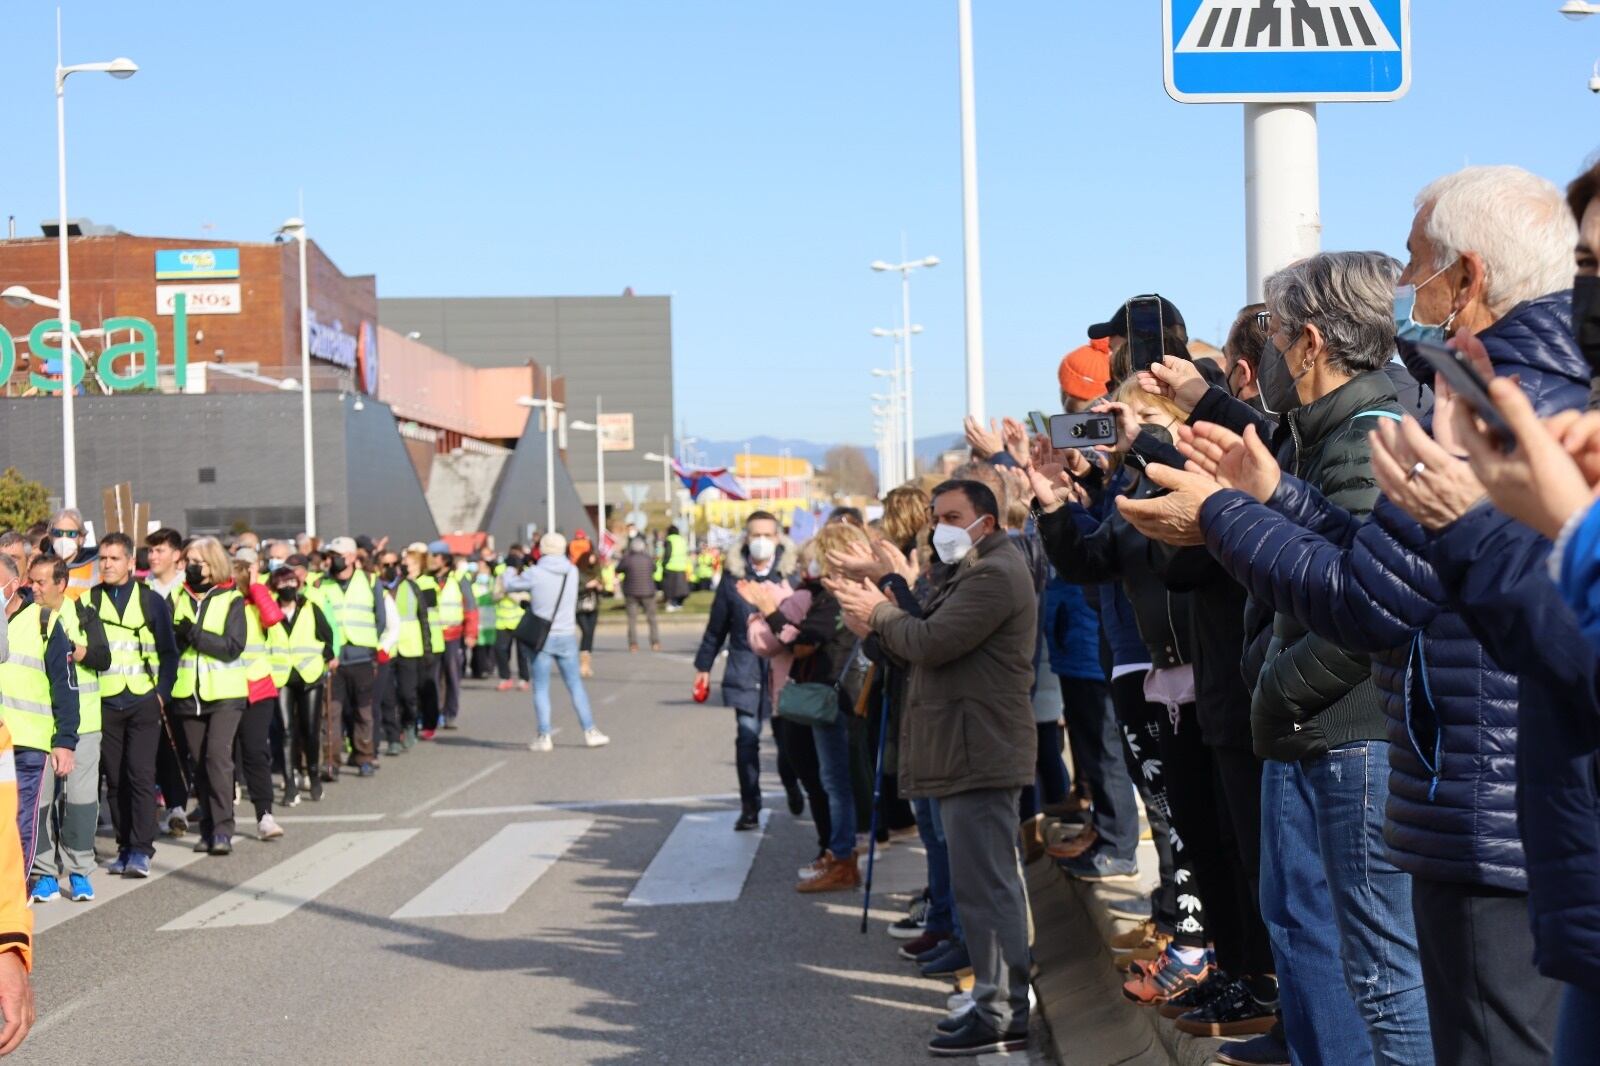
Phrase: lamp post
pixel 902 374
pixel 548 407
pixel 599 460
pixel 889 409
pixel 119 68
pixel 295 229
pixel 906 330
pixel 664 457
pixel 971 271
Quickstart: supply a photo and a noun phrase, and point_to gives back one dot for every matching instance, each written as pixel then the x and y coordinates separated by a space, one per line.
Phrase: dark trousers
pixel 1141 729
pixel 1205 912
pixel 587 620
pixel 1238 785
pixel 400 698
pixel 800 747
pixel 428 692
pixel 353 684
pixel 301 707
pixel 451 664
pixel 1099 748
pixel 129 737
pixel 253 743
pixel 1486 1001
pixel 483 657
pixel 174 766
pixel 504 642
pixel 210 737
pixel 33 769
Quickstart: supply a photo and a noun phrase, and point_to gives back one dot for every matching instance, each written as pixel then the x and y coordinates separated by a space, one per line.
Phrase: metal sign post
pixel 1280 58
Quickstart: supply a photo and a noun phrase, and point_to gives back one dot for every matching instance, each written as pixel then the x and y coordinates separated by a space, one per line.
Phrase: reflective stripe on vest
pixel 405 605
pixel 88 680
pixel 352 609
pixel 452 609
pixel 257 655
pixel 135 663
pixel 507 611
pixel 296 649
pixel 25 705
pixel 435 628
pixel 210 678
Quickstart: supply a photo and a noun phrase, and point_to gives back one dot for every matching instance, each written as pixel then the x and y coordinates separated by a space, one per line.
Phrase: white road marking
pixel 294 882
pixel 716 798
pixel 453 789
pixel 168 857
pixel 496 875
pixel 326 819
pixel 918 1008
pixel 701 862
pixel 893 980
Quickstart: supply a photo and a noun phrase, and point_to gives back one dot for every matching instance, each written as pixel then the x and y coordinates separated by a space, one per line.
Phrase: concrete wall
pixel 616 347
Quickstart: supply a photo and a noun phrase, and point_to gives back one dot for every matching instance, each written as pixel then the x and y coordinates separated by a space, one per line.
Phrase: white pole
pixel 969 219
pixel 910 442
pixel 305 389
pixel 600 464
pixel 1283 221
pixel 69 433
pixel 666 473
pixel 549 452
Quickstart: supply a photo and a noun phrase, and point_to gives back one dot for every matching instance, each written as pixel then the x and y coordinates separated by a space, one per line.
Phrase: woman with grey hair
pixel 1316 716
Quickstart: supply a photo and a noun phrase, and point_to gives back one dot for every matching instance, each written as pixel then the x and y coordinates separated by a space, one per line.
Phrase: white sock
pixel 1189 956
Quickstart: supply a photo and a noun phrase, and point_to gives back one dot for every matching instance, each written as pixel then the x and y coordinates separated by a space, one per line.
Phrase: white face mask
pixel 813 570
pixel 762 549
pixel 65 548
pixel 953 542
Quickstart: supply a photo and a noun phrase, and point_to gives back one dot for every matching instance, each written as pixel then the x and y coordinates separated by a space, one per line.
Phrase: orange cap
pixel 1086 371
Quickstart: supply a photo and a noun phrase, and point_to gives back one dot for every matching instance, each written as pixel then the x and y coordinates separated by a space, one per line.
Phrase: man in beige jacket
pixel 967 739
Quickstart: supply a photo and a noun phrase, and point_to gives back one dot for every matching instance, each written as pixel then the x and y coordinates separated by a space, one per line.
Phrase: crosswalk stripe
pixel 701 862
pixel 168 858
pixel 1286 26
pixel 294 882
pixel 496 875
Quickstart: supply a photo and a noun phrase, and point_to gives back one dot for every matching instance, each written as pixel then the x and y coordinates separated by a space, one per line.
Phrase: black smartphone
pixel 1084 430
pixel 1144 331
pixel 1470 386
pixel 1041 425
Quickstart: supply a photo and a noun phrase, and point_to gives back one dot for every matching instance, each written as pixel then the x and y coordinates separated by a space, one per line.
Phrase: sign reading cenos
pixel 142 343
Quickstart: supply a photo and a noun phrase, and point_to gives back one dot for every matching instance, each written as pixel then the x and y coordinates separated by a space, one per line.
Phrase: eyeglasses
pixel 1264 320
pixel 74 533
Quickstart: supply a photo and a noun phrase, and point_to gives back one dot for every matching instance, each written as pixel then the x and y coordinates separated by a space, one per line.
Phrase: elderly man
pixel 67 536
pixel 1452 820
pixel 967 738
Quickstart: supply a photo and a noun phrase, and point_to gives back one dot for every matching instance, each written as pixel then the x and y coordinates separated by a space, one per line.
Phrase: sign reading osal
pixel 1287 51
pixel 195 264
pixel 141 343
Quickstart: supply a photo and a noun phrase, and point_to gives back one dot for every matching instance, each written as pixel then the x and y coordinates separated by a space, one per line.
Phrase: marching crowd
pixel 1335 622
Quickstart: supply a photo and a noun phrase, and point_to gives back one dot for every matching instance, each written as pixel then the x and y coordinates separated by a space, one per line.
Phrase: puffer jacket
pixel 1534 341
pixel 1071 631
pixel 1313 694
pixel 745 678
pixel 1495 568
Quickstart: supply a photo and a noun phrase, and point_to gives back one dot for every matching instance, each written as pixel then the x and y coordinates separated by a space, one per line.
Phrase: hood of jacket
pixel 737 564
pixel 555 564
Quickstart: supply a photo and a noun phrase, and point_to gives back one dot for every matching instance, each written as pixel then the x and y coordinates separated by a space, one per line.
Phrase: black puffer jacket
pixel 1312 693
pixel 1087 554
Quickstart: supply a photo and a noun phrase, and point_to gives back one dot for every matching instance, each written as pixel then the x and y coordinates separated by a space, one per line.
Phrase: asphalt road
pixel 477 902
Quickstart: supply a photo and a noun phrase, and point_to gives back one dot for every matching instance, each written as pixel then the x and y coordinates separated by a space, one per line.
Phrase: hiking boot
pixel 1199 996
pixel 922 945
pixel 840 876
pixel 1233 1012
pixel 1169 976
pixel 1268 1049
pixel 1098 866
pixel 1072 847
pixel 978 1037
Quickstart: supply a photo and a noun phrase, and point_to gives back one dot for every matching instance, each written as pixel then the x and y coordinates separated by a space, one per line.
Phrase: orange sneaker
pixel 1169 976
pixel 505 686
pixel 841 875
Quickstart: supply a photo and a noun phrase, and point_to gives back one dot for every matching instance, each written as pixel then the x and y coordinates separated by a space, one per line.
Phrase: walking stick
pixel 877 795
pixel 177 752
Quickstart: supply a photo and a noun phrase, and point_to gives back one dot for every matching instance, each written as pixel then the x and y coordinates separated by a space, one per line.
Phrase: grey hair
pixel 1349 297
pixel 1517 221
pixel 11 538
pixel 9 566
pixel 68 512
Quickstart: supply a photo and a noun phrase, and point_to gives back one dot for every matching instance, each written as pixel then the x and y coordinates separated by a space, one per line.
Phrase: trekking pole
pixel 877 795
pixel 177 752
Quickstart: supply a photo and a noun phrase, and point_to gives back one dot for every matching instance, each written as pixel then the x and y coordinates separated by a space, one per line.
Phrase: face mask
pixel 274 565
pixel 1586 318
pixel 1160 433
pixel 762 549
pixel 5 598
pixel 814 570
pixel 194 576
pixel 390 573
pixel 1278 394
pixel 65 547
pixel 1406 327
pixel 952 542
pixel 288 593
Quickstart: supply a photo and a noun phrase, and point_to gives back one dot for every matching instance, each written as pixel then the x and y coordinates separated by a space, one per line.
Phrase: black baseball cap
pixel 1117 324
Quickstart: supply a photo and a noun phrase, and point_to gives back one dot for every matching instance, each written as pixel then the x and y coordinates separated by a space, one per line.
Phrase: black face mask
pixel 194 576
pixel 288 593
pixel 1160 433
pixel 389 574
pixel 1278 394
pixel 1586 318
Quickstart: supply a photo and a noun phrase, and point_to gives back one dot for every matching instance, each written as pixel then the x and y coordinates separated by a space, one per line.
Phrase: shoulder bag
pixel 813 703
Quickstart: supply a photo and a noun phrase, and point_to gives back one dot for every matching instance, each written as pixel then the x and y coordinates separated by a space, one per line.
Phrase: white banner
pixel 201 299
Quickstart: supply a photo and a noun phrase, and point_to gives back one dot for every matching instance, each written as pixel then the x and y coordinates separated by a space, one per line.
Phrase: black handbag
pixel 533 630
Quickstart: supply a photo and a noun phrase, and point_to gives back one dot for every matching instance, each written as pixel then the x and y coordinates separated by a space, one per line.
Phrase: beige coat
pixel 968 721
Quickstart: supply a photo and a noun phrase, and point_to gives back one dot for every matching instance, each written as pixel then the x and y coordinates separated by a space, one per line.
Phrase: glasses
pixel 1264 320
pixel 74 533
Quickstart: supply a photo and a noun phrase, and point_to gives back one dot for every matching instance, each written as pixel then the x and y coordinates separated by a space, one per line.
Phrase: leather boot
pixel 840 876
pixel 585 664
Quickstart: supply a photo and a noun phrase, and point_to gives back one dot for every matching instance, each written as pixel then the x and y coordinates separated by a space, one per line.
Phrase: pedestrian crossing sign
pixel 1286 51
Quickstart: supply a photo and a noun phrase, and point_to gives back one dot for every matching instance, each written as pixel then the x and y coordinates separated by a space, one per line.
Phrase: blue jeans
pixel 833 759
pixel 562 651
pixel 942 916
pixel 1339 913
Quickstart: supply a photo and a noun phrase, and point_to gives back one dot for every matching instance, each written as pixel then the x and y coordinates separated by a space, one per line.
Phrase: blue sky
pixel 750 159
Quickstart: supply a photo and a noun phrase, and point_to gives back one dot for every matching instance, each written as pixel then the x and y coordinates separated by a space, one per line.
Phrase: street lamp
pixel 971 271
pixel 599 459
pixel 665 460
pixel 22 296
pixel 905 268
pixel 902 344
pixel 119 68
pixel 1577 10
pixel 549 407
pixel 295 229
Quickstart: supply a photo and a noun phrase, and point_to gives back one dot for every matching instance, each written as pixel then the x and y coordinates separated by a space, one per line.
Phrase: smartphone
pixel 1084 430
pixel 1041 425
pixel 1470 386
pixel 1144 331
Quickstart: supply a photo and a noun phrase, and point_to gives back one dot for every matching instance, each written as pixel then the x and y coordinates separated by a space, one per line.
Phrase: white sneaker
pixel 268 828
pixel 173 823
pixel 542 742
pixel 593 738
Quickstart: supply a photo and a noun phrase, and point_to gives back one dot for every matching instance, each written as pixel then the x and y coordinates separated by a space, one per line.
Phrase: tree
pixel 22 502
pixel 847 466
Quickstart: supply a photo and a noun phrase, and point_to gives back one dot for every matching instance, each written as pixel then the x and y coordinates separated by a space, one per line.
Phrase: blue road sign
pixel 1286 51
